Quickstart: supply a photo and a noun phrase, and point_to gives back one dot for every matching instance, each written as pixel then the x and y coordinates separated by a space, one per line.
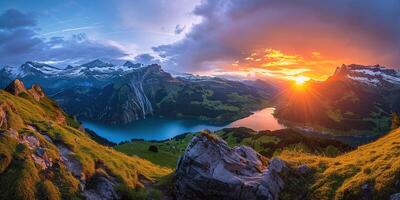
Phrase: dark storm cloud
pixel 20 43
pixel 146 59
pixel 14 19
pixel 364 31
pixel 179 29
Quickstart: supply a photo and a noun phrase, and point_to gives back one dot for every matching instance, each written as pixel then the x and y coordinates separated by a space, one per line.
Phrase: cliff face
pixel 210 169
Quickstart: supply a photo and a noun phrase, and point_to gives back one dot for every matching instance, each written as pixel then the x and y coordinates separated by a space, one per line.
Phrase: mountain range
pixel 114 94
pixel 46 154
pixel 354 100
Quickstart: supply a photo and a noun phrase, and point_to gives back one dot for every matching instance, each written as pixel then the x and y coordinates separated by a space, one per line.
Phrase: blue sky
pixel 295 37
pixel 134 26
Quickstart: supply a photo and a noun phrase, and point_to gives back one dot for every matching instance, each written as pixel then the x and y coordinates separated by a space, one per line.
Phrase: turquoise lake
pixel 164 128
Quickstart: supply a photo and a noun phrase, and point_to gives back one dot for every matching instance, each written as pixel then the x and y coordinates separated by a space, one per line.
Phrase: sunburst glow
pixel 300 80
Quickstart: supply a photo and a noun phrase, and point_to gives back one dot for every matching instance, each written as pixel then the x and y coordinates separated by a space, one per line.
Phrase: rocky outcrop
pixel 210 169
pixel 3 117
pixel 37 92
pixel 16 87
pixel 71 162
pixel 101 187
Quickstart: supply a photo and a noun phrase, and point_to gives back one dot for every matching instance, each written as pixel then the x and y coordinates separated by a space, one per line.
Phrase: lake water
pixel 164 128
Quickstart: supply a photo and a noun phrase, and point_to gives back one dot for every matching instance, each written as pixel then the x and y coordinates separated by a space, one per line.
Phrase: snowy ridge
pixel 96 68
pixel 370 75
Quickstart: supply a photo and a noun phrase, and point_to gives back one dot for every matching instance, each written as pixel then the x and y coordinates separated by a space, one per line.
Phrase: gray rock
pixel 395 196
pixel 71 162
pixel 100 188
pixel 210 169
pixel 304 169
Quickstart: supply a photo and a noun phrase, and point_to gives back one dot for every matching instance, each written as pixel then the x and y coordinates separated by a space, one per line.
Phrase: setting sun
pixel 300 80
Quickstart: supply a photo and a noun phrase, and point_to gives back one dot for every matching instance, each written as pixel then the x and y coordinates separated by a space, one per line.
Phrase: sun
pixel 300 80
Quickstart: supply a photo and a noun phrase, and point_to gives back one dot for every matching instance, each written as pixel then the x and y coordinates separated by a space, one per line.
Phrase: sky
pixel 231 38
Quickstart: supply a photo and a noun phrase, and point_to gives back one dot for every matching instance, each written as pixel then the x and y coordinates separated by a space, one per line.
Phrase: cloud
pixel 179 29
pixel 159 15
pixel 360 31
pixel 19 43
pixel 146 59
pixel 12 18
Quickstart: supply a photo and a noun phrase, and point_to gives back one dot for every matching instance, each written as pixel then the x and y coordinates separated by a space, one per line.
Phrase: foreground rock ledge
pixel 210 169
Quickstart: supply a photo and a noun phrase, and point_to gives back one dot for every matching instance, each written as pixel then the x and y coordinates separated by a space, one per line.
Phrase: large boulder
pixel 210 169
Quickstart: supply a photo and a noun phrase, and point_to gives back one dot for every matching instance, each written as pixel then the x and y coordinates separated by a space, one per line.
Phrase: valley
pixel 143 158
pixel 166 128
pixel 200 100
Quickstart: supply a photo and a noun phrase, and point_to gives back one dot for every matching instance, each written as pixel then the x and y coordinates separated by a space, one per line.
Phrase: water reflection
pixel 164 128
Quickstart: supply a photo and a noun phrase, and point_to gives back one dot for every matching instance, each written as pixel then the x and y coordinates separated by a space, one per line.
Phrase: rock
pixel 30 140
pixel 71 162
pixel 210 169
pixel 3 117
pixel 100 188
pixel 367 191
pixel 395 196
pixel 16 87
pixel 40 157
pixel 304 169
pixel 37 92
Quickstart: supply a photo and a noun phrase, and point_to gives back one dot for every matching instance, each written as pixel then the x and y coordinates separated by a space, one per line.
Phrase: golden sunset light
pixel 299 80
pixel 275 63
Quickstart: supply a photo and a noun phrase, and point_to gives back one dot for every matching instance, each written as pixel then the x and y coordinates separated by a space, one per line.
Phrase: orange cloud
pixel 277 64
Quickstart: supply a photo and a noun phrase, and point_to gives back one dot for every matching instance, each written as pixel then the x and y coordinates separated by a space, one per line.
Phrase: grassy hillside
pixel 267 143
pixel 371 171
pixel 44 154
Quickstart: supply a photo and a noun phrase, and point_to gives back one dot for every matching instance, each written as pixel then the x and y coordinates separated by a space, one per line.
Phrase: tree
pixel 395 121
pixel 153 148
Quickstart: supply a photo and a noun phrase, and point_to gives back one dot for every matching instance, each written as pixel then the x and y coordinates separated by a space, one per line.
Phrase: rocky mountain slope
pixel 45 155
pixel 121 94
pixel 355 100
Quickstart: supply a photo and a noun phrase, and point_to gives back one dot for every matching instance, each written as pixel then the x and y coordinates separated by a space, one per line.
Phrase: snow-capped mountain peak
pixel 31 68
pixel 130 64
pixel 371 75
pixel 97 63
